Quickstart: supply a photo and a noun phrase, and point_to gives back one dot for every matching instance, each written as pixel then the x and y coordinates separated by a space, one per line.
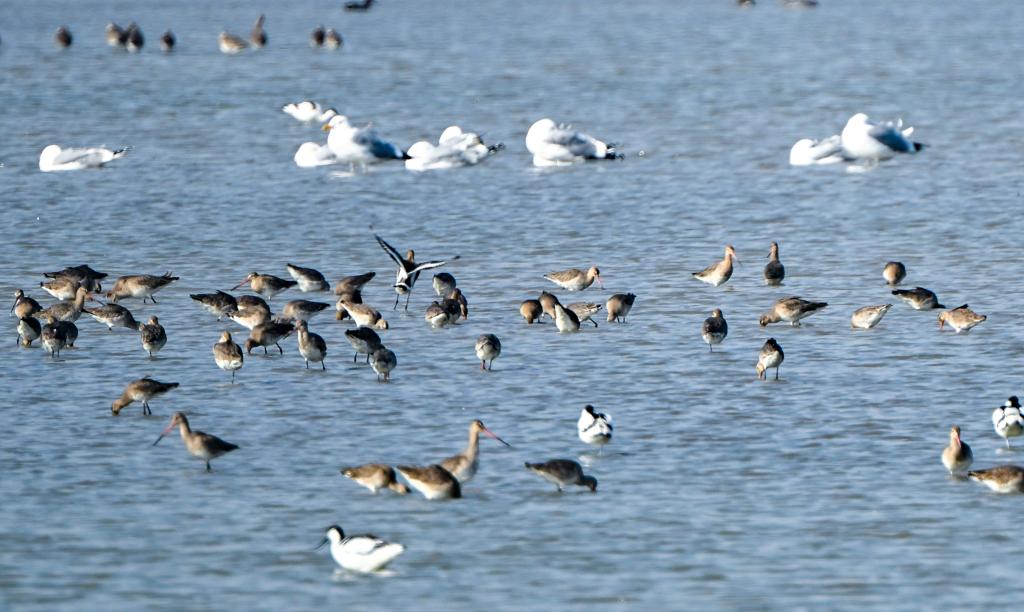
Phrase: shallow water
pixel 821 490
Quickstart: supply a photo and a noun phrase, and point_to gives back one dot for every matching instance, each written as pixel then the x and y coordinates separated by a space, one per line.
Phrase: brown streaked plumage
pixel 562 473
pixel 464 465
pixel 790 310
pixel 24 306
pixel 894 272
pixel 432 481
pixel 268 334
pixel 918 298
pixel 715 329
pixel 774 271
pixel 771 356
pixel 575 279
pixel 531 310
pixel 228 355
pixel 311 346
pixel 618 307
pixel 141 390
pixel 1001 479
pixel 198 444
pixel 81 273
pixel 152 335
pixel 960 318
pixel 375 476
pixel 139 286
pixel 869 316
pixel 266 285
pixel 718 273
pixel 957 457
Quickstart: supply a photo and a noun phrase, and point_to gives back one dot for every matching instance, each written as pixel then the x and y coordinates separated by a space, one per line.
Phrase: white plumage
pixel 559 145
pixel 594 427
pixel 54 159
pixel 311 155
pixel 354 145
pixel 867 141
pixel 454 149
pixel 308 111
pixel 807 152
pixel 361 553
pixel 1007 420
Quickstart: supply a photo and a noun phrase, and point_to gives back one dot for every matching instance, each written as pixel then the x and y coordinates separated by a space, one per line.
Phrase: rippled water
pixel 821 490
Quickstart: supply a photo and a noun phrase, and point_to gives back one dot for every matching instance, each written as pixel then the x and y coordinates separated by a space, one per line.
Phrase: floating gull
pixel 807 152
pixel 311 155
pixel 308 111
pixel 361 146
pixel 54 158
pixel 871 142
pixel 560 145
pixel 454 148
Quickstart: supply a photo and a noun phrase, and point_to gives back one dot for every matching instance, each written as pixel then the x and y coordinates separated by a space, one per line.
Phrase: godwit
pixel 62 37
pixel 24 306
pixel 444 284
pixel 594 427
pixel 437 315
pixel 790 310
pixel 894 272
pixel 360 553
pixel 228 355
pixel 1001 479
pixel 408 269
pixel 133 39
pixel 252 302
pixel 383 361
pixel 774 271
pixel 167 41
pixel 618 306
pixel 960 318
pixel 488 348
pixel 456 302
pixel 141 390
pixel 113 315
pixel 311 346
pixel 249 318
pixel 1007 420
pixel 562 473
pixel 364 316
pixel 139 286
pixel 464 465
pixel 360 5
pixel 62 288
pixel 559 145
pixel 585 311
pixel 258 37
pixel 547 303
pixel 266 285
pixel 957 457
pixel 375 476
pixel 152 335
pixel 531 310
pixel 198 444
pixel 216 303
pixel 316 39
pixel 65 311
pixel 332 40
pixel 719 272
pixel 353 283
pixel 363 340
pixel 869 316
pixel 268 334
pixel 308 279
pixel 69 330
pixel 52 340
pixel 114 34
pixel 715 329
pixel 771 356
pixel 29 330
pixel 918 298
pixel 302 310
pixel 432 481
pixel 353 296
pixel 566 320
pixel 230 44
pixel 84 274
pixel 575 279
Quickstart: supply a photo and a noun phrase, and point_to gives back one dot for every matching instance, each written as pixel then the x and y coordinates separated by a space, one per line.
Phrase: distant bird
pixel 311 346
pixel 268 334
pixel 871 142
pixel 62 38
pixel 718 273
pixel 594 427
pixel 1001 479
pixel 894 272
pixel 363 340
pixel 308 111
pixel 216 303
pixel 113 315
pixel 316 39
pixel 432 481
pixel 1007 420
pixel 488 348
pixel 771 356
pixel 408 269
pixel 869 316
pixel 618 306
pixel 230 44
pixel 957 457
pixel 360 553
pixel 134 40
pixel 141 390
pixel 562 473
pixel 575 279
pixel 375 476
pixel 960 318
pixel 54 158
pixel 360 5
pixel 531 310
pixel 566 320
pixel 198 444
pixel 115 35
pixel 383 361
pixel 228 355
pixel 152 335
pixel 139 286
pixel 258 37
pixel 29 330
pixel 444 284
pixel 167 41
pixel 332 40
pixel 266 285
pixel 464 465
pixel 918 298
pixel 790 310
pixel 585 311
pixel 559 145
pixel 774 271
pixel 24 306
pixel 715 329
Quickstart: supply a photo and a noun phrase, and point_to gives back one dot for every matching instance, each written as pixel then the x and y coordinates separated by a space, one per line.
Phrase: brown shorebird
pixel 432 481
pixel 566 320
pixel 230 44
pixel 24 306
pixel 1001 479
pixel 444 284
pixel 585 311
pixel 141 390
pixel 488 348
pixel 869 316
pixel 216 303
pixel 464 465
pixel 29 330
pixel 268 334
pixel 332 40
pixel 113 315
pixel 457 303
pixel 375 476
pixel 353 283
pixel 364 316
pixel 408 269
pixel 114 35
pixel 354 296
pixel 960 318
pixel 62 38
pixel 228 355
pixel 311 346
pixel 774 271
pixel 437 315
pixel 198 444
pixel 61 288
pixel 957 457
pixel 249 318
pixel 531 310
pixel 718 273
pixel 918 298
pixel 547 303
pixel 575 279
pixel 618 307
pixel 363 340
pixel 152 335
pixel 65 311
pixel 383 361
pixel 790 310
pixel 85 275
pixel 139 286
pixel 302 310
pixel 894 272
pixel 266 285
pixel 308 279
pixel 258 37
pixel 771 356
pixel 715 329
pixel 562 473
pixel 57 336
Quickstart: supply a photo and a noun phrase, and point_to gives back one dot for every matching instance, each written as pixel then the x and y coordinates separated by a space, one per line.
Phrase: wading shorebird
pixel 444 284
pixel 547 303
pixel 957 457
pixel 360 553
pixel 353 283
pixel 432 481
pixel 771 356
pixel 960 318
pixel 141 390
pixel 302 310
pixel 488 348
pixel 375 476
pixel 918 298
pixel 24 306
pixel 266 285
pixel 464 465
pixel 383 361
pixel 230 44
pixel 869 316
pixel 84 274
pixel 268 334
pixel 1001 479
pixel 228 355
pixel 562 473
pixel 364 316
pixel 308 279
pixel 311 346
pixel 618 306
pixel 774 271
pixel 575 279
pixel 718 273
pixel 531 310
pixel 113 315
pixel 408 269
pixel 790 310
pixel 1007 420
pixel 152 335
pixel 249 318
pixel 715 329
pixel 139 286
pixel 65 311
pixel 894 272
pixel 29 330
pixel 198 444
pixel 585 311
pixel 62 288
pixel 566 320
pixel 218 304
pixel 594 427
pixel 53 340
pixel 332 40
pixel 363 340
